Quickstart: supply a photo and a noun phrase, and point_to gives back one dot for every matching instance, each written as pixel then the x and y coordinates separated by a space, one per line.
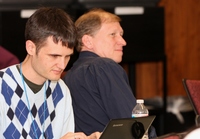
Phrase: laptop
pixel 127 128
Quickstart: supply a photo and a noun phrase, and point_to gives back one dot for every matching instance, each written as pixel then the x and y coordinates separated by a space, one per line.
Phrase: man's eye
pixel 54 56
pixel 113 34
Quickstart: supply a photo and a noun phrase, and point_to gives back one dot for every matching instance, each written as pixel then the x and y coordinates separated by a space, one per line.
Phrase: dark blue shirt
pixel 100 91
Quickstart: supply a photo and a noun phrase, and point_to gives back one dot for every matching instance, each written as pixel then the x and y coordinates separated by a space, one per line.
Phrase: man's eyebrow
pixel 70 54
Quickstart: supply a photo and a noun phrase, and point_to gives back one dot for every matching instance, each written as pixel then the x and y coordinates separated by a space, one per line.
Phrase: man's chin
pixel 54 78
pixel 118 60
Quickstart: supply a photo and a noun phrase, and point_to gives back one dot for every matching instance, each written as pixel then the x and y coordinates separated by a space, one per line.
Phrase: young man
pixel 99 85
pixel 34 102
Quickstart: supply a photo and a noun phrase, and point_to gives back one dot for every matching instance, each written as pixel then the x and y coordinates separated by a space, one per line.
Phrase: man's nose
pixel 62 63
pixel 122 41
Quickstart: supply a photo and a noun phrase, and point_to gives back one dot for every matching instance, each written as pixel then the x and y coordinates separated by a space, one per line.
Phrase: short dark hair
pixel 51 21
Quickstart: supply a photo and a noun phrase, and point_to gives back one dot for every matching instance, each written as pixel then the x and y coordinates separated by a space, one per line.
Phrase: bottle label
pixel 139 115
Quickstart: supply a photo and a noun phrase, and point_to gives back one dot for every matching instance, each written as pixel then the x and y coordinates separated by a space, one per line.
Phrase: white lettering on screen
pixel 117 125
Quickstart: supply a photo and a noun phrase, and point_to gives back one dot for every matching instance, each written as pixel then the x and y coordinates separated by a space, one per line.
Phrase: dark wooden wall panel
pixel 182 35
pixel 182 48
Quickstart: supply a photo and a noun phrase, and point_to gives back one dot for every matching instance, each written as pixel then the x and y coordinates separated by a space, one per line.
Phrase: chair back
pixel 192 88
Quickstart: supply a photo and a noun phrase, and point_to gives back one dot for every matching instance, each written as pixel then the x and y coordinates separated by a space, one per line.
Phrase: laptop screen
pixel 127 128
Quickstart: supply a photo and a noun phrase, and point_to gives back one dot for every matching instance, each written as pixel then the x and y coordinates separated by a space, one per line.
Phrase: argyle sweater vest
pixel 17 121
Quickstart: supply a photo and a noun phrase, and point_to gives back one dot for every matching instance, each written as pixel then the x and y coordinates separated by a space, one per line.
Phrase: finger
pixel 95 135
pixel 80 135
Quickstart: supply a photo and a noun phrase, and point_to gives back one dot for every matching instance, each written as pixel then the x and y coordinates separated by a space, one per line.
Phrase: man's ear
pixel 87 41
pixel 30 47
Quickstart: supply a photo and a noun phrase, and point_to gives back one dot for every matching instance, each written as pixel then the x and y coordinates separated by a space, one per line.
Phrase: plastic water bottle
pixel 140 111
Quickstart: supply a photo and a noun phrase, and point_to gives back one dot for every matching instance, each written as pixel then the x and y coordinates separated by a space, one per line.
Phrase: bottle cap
pixel 140 101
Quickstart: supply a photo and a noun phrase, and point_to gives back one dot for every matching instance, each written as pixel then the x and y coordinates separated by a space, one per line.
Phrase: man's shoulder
pixel 92 62
pixel 103 61
pixel 9 77
pixel 9 71
pixel 103 65
pixel 93 65
pixel 59 85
